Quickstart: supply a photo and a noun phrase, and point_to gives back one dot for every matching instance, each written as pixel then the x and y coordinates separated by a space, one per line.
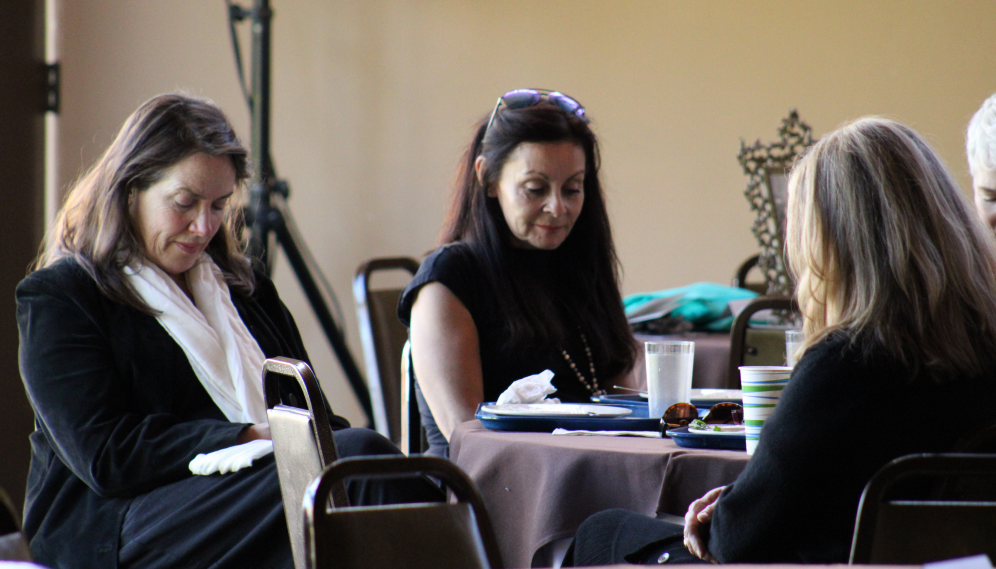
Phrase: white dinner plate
pixel 727 431
pixel 717 395
pixel 554 410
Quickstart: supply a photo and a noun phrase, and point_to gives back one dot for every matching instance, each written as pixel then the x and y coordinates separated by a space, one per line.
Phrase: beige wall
pixel 373 101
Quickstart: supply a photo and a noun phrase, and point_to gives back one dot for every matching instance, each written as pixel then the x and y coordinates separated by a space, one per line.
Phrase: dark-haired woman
pixel 895 282
pixel 143 333
pixel 526 276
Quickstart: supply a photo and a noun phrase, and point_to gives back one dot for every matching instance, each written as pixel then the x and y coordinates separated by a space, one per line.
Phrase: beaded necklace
pixel 593 386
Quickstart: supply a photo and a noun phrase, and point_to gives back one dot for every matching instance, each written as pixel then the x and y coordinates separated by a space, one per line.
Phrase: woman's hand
pixel 698 516
pixel 253 432
pixel 446 356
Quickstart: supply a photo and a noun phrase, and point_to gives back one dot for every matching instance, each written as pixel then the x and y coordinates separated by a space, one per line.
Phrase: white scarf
pixel 225 357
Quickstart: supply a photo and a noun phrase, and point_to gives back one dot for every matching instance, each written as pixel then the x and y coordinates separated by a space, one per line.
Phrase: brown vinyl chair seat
pixel 412 536
pixel 13 543
pixel 303 444
pixel 382 336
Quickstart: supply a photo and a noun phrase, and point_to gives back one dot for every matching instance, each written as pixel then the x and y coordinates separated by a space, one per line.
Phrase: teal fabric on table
pixel 705 305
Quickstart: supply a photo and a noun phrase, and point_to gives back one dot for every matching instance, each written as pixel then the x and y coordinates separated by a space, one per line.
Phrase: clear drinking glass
pixel 793 339
pixel 669 374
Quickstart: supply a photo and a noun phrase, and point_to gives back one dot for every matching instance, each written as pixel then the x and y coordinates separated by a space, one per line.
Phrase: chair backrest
pixel 890 530
pixel 13 543
pixel 740 276
pixel 382 335
pixel 303 444
pixel 756 347
pixel 415 536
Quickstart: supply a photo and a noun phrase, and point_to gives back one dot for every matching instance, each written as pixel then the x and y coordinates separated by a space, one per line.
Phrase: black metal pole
pixel 262 218
pixel 259 193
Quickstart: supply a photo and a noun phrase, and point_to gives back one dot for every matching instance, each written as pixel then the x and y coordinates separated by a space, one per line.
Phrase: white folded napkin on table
pixel 230 459
pixel 648 434
pixel 530 389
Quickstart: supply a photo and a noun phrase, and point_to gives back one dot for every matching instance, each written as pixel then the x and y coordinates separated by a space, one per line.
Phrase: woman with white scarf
pixel 143 334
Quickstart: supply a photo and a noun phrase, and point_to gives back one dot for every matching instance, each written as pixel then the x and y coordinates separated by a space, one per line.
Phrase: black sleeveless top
pixel 456 267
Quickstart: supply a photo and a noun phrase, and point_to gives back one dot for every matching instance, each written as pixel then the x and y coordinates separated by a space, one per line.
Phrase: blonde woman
pixel 895 276
pixel 980 143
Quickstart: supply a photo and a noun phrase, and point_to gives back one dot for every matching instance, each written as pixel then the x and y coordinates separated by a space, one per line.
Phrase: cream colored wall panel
pixel 374 100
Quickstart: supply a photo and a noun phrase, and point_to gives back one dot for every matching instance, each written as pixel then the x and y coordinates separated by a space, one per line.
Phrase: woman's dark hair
pixel 94 226
pixel 585 266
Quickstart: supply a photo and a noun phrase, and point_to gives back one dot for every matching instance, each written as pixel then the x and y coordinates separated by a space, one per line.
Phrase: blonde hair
pixel 886 249
pixel 94 225
pixel 980 139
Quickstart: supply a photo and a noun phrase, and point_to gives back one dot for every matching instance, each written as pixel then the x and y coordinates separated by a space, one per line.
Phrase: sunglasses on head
pixel 681 414
pixel 523 98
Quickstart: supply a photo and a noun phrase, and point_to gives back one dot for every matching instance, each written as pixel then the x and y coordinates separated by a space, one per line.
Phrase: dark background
pixel 22 147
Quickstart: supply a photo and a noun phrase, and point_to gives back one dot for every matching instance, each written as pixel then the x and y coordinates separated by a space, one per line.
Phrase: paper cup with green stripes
pixel 762 386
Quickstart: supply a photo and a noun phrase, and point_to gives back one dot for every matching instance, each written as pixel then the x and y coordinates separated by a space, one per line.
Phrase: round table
pixel 539 487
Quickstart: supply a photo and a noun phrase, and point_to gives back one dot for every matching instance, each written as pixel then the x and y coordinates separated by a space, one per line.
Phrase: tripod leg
pixel 321 309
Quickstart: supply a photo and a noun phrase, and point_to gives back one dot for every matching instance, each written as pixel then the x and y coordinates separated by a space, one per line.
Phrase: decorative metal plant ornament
pixel 767 167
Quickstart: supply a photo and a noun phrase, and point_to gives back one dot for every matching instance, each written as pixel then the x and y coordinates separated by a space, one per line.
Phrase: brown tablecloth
pixel 712 357
pixel 539 487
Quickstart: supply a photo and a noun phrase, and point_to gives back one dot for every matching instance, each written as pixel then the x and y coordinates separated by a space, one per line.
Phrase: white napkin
pixel 531 389
pixel 230 459
pixel 648 434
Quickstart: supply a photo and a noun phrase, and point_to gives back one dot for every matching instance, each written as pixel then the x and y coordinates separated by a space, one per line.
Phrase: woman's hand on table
pixel 253 432
pixel 698 516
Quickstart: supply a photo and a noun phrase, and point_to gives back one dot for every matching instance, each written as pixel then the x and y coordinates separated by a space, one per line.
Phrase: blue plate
pixel 683 438
pixel 636 421
pixel 703 399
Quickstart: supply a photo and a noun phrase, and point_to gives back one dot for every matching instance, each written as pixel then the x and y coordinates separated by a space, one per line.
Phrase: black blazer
pixel 118 408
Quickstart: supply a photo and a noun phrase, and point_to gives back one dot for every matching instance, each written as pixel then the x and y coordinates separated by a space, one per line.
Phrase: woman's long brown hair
pixel 94 225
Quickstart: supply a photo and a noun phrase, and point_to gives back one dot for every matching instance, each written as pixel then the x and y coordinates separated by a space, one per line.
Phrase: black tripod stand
pixel 261 215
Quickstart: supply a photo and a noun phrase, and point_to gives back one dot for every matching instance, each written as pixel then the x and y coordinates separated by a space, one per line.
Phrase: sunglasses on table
pixel 681 414
pixel 524 98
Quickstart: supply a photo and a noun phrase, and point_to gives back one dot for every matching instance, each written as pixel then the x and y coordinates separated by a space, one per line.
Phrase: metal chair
pixel 749 346
pixel 303 444
pixel 13 543
pixel 414 536
pixel 413 440
pixel 740 276
pixel 382 335
pixel 915 531
pixel 411 418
